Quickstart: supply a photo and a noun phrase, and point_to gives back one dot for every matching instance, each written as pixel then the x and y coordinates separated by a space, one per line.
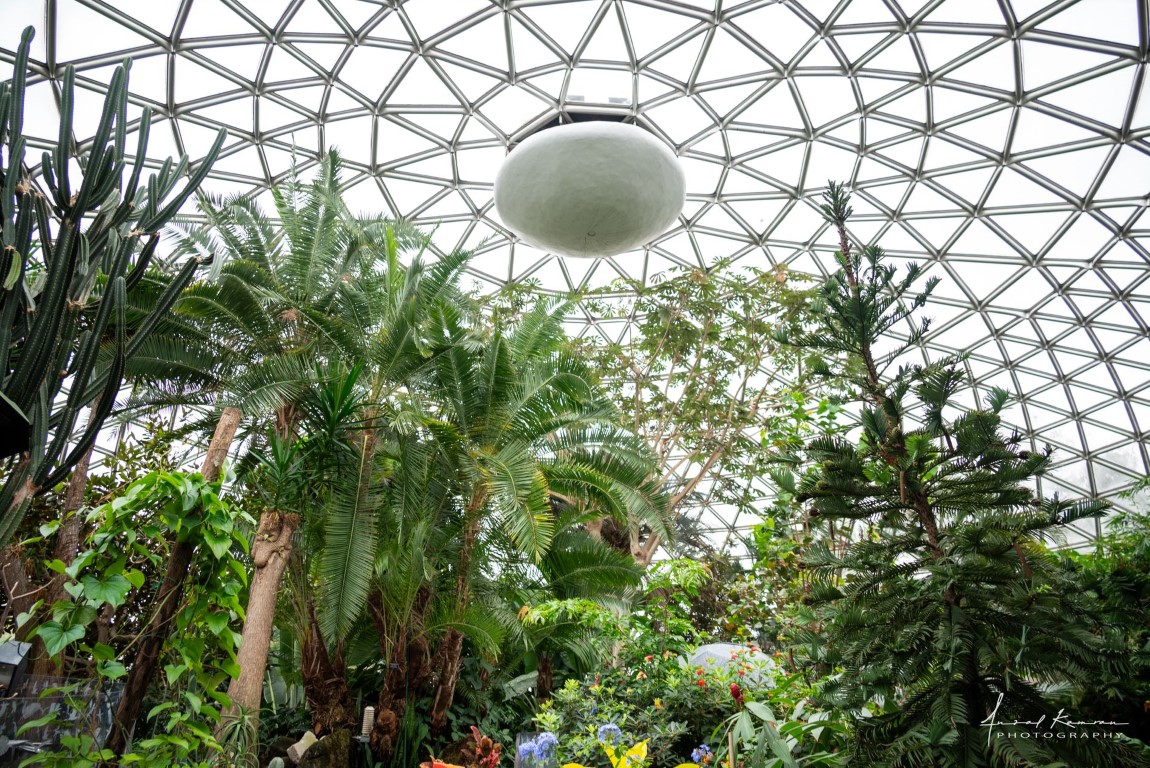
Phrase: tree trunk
pixel 544 677
pixel 66 549
pixel 450 653
pixel 328 696
pixel 270 553
pixel 449 660
pixel 408 669
pixel 168 599
pixel 15 574
pixel 151 644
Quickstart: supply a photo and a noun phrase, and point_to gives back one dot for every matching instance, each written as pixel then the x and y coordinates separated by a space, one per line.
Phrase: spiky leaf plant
pixel 71 260
pixel 946 614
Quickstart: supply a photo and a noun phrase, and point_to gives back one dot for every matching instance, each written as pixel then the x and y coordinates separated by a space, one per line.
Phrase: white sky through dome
pixel 1007 144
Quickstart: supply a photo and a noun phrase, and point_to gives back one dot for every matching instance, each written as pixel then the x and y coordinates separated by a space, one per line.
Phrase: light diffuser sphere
pixel 590 189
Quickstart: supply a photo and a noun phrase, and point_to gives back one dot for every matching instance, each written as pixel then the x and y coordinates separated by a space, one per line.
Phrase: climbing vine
pixel 128 537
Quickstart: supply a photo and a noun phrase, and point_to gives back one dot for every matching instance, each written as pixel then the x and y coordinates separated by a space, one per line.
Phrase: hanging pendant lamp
pixel 590 189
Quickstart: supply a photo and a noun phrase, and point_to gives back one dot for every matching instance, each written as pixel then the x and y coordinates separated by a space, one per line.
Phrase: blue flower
pixel 610 733
pixel 701 754
pixel 538 751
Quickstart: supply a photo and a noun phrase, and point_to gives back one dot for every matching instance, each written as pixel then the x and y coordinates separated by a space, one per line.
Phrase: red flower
pixel 648 657
pixel 699 672
pixel 701 683
pixel 736 693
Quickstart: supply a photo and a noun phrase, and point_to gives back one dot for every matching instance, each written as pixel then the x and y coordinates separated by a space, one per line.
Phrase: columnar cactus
pixel 71 257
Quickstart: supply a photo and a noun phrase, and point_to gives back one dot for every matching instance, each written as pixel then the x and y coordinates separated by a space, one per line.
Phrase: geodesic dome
pixel 1004 142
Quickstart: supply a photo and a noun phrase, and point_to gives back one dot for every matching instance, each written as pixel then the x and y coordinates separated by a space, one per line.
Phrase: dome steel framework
pixel 1004 142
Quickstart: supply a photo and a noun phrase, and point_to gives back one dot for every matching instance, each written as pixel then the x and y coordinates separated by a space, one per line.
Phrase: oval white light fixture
pixel 590 189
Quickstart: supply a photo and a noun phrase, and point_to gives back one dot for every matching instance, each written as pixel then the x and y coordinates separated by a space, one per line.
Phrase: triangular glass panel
pixel 1032 230
pixel 323 54
pixel 530 52
pixel 827 163
pixel 565 23
pixel 775 107
pixel 273 115
pixel 777 28
pixel 1036 130
pixel 512 108
pixel 1104 98
pixel 967 12
pixel 819 55
pixel 484 42
pixel 606 43
pixel 369 68
pixel 211 18
pixel 1075 170
pixel 864 12
pixel 874 88
pixel 1044 63
pixel 680 119
pixel 857 45
pixel 236 114
pixel 284 66
pixel 784 164
pixel 1129 176
pixel 422 87
pixel 432 17
pixel 311 17
pixel 352 137
pixel 911 106
pixel 941 48
pixel 896 57
pixel 948 102
pixel 987 69
pixel 980 240
pixel 727 57
pixel 826 98
pixel 923 199
pixel 195 82
pixel 82 32
pixel 989 131
pixel 473 84
pixel 1013 190
pixel 1118 24
pixel 390 27
pixel 679 62
pixel 358 14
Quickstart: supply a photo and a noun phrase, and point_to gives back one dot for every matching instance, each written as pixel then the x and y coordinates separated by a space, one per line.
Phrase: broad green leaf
pixel 217 622
pixel 219 543
pixel 57 637
pixel 112 590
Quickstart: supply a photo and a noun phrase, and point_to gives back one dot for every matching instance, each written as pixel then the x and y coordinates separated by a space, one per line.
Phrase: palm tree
pixel 521 425
pixel 283 301
pixel 590 584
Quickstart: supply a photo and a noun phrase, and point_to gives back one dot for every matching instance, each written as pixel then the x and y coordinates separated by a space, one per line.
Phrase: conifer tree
pixel 947 616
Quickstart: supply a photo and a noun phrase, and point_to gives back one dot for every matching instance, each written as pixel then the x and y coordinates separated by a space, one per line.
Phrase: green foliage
pixel 697 375
pixel 1117 573
pixel 128 537
pixel 945 604
pixel 675 707
pixel 67 298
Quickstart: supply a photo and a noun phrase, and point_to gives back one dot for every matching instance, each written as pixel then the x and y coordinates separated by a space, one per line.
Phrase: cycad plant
pixel 521 424
pixel 71 259
pixel 947 615
pixel 315 324
pixel 290 300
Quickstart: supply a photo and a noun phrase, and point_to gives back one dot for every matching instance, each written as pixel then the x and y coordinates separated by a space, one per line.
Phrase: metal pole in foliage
pixel 71 258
